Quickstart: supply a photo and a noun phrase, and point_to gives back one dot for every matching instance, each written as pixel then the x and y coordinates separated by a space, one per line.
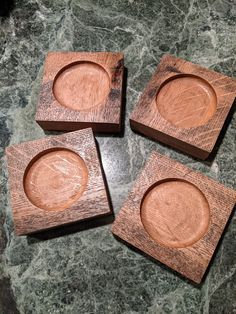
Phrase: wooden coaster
pixel 55 181
pixel 81 89
pixel 184 106
pixel 175 215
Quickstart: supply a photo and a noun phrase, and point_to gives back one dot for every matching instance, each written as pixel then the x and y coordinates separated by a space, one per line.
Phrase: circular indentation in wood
pixel 81 86
pixel 186 101
pixel 55 180
pixel 175 213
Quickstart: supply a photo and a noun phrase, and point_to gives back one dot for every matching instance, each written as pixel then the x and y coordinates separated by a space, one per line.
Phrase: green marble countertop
pixel 89 271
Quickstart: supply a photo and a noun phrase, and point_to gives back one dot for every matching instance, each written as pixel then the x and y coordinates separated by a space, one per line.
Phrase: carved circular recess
pixel 175 213
pixel 186 101
pixel 56 179
pixel 81 86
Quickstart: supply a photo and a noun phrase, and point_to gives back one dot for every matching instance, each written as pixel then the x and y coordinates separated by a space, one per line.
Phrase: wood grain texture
pixel 81 89
pixel 166 214
pixel 175 215
pixel 55 181
pixel 185 106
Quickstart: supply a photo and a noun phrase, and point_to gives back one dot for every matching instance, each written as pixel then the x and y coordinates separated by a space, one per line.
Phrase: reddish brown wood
pixel 81 89
pixel 55 181
pixel 175 215
pixel 184 106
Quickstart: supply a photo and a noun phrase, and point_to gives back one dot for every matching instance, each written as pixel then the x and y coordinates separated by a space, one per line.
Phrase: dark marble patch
pixel 5 135
pixel 3 238
pixel 6 7
pixel 226 292
pixel 7 300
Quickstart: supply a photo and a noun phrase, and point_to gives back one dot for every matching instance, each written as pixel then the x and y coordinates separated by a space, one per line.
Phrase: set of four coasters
pixel 174 214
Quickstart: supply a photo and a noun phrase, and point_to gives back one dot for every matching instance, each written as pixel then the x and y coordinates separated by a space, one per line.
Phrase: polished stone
pixel 88 270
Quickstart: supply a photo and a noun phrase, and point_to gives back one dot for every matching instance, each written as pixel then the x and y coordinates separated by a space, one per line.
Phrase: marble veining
pixel 90 271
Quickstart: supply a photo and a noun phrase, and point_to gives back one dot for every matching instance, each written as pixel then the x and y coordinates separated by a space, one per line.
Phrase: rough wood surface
pixel 81 89
pixel 175 215
pixel 55 181
pixel 184 106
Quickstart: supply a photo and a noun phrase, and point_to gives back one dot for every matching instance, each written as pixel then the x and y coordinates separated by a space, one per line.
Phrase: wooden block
pixel 81 89
pixel 175 215
pixel 184 106
pixel 55 181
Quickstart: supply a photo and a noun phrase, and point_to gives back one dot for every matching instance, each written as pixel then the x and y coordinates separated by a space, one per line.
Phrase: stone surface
pixel 90 271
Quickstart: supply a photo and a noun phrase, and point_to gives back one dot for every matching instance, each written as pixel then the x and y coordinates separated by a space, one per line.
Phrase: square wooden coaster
pixel 55 181
pixel 81 89
pixel 175 215
pixel 184 106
